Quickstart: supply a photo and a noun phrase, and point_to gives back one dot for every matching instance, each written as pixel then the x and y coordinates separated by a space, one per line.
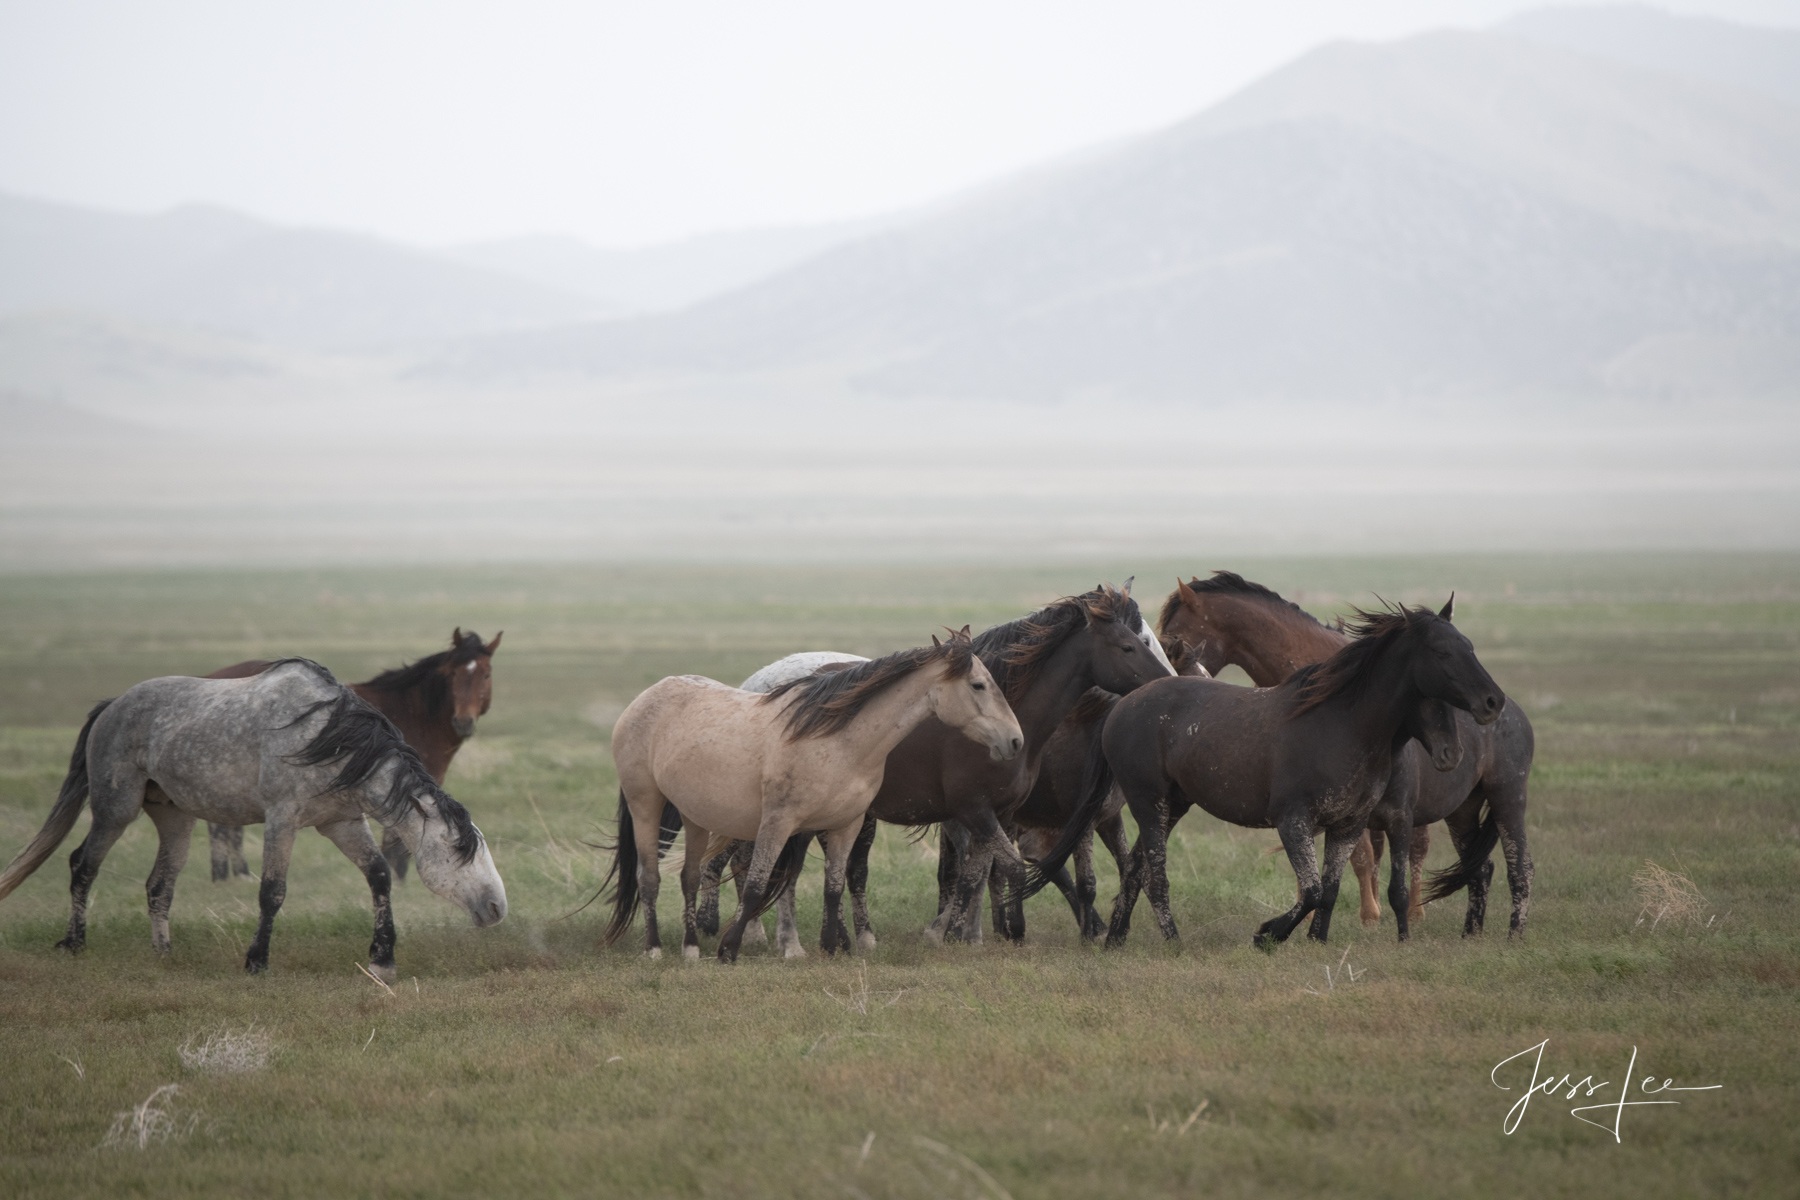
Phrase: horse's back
pixel 1216 741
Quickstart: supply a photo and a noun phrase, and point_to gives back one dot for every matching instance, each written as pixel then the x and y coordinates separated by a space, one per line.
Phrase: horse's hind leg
pixel 352 836
pixel 693 868
pixel 1465 826
pixel 771 839
pixel 754 933
pixel 278 849
pixel 174 835
pixel 859 884
pixel 115 806
pixel 1509 810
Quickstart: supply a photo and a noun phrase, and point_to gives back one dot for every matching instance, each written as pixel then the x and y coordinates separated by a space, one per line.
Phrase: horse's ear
pixel 1129 580
pixel 963 633
pixel 1449 607
pixel 493 645
pixel 935 644
pixel 456 637
pixel 1188 598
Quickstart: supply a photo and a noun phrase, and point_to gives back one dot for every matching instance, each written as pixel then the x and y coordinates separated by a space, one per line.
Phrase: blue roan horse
pixel 290 748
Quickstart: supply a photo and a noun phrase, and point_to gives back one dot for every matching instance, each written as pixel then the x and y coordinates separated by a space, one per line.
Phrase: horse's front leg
pixel 859 883
pixel 739 864
pixel 1338 845
pixel 352 836
pixel 225 846
pixel 771 838
pixel 953 848
pixel 1297 839
pixel 174 834
pixel 711 879
pixel 646 832
pixel 1421 846
pixel 833 935
pixel 278 849
pixel 1087 889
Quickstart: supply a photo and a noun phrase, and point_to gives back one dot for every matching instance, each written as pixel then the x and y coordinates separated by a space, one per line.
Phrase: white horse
pixel 291 749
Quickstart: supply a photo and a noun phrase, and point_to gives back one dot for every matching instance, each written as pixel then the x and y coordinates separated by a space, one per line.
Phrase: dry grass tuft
pixel 152 1121
pixel 1666 895
pixel 227 1053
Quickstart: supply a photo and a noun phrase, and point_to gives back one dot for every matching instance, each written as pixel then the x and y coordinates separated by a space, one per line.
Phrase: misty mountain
pixel 667 276
pixel 1455 213
pixel 224 271
pixel 1762 60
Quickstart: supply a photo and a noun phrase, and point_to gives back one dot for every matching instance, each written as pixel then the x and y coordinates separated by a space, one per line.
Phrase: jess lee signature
pixel 1546 1085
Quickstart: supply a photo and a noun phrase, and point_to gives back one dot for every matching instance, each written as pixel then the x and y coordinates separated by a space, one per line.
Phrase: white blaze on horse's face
pixel 1153 644
pixel 473 886
pixel 974 705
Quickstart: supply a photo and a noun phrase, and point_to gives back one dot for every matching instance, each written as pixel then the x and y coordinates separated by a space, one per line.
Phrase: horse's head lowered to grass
pixel 375 762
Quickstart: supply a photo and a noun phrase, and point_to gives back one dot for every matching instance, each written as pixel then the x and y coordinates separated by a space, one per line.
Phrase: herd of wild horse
pixel 1020 743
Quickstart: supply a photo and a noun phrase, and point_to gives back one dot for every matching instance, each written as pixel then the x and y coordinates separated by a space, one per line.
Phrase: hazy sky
pixel 624 123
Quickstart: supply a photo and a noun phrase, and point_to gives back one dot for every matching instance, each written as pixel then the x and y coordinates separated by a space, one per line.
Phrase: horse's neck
pixel 427 732
pixel 1054 692
pixel 1270 642
pixel 889 716
pixel 1381 707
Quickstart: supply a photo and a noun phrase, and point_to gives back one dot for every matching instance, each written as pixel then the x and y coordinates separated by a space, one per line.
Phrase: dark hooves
pixel 252 967
pixel 71 945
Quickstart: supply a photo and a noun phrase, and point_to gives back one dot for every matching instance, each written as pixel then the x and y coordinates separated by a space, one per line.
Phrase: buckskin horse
pixel 434 702
pixel 1312 754
pixel 1044 662
pixel 289 747
pixel 1482 800
pixel 778 767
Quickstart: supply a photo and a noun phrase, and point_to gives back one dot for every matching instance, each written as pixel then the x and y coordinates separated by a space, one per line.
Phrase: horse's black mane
pixel 1016 650
pixel 830 700
pixel 362 740
pixel 427 676
pixel 1227 583
pixel 1346 671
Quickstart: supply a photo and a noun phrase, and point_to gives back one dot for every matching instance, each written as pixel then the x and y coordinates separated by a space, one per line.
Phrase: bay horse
pixel 434 702
pixel 1314 753
pixel 778 767
pixel 289 747
pixel 1482 800
pixel 1044 662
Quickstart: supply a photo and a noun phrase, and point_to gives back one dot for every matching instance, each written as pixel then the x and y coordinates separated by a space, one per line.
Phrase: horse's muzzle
pixel 1487 709
pixel 463 726
pixel 1006 750
pixel 489 910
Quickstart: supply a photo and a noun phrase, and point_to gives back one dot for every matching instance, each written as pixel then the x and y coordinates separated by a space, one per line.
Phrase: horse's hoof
pixel 793 950
pixel 691 953
pixel 865 941
pixel 654 952
pixel 386 974
pixel 933 935
pixel 71 946
pixel 756 935
pixel 252 967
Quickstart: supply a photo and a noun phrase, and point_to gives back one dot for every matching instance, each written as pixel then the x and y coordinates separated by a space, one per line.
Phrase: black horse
pixel 1316 753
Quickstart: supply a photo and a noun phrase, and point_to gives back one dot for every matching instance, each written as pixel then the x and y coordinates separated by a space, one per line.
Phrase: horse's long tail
pixel 1096 785
pixel 62 815
pixel 624 875
pixel 1474 856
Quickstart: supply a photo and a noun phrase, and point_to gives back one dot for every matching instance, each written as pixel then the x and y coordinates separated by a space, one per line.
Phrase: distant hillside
pixel 218 269
pixel 1740 56
pixel 665 276
pixel 1451 214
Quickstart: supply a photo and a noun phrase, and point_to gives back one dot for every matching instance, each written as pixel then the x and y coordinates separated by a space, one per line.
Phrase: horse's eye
pixel 980 687
pixel 1131 649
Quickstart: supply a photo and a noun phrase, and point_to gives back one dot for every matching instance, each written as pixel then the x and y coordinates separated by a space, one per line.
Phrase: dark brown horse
pixel 435 702
pixel 1314 754
pixel 1234 621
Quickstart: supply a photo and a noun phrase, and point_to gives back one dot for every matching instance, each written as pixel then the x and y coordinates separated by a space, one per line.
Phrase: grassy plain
pixel 523 1060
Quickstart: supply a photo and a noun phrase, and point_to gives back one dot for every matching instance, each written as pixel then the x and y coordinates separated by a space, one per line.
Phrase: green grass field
pixel 525 1060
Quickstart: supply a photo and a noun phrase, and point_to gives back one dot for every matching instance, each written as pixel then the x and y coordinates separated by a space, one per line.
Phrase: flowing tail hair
pixel 1096 785
pixel 62 815
pixel 1469 862
pixel 621 882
